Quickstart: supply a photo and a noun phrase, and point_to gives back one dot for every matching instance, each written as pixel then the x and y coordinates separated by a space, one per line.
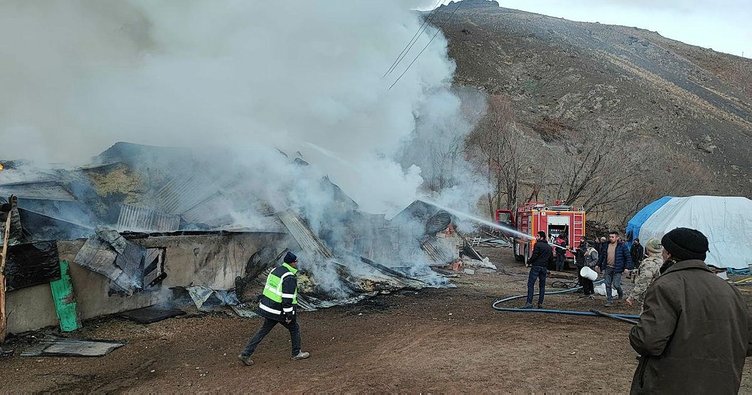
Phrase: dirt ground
pixel 433 340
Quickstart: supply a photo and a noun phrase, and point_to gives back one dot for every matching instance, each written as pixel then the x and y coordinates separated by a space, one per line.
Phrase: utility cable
pixel 424 48
pixel 413 40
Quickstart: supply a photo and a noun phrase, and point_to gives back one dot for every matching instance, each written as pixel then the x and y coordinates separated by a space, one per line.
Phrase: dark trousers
pixel 293 327
pixel 612 280
pixel 587 286
pixel 536 273
pixel 560 257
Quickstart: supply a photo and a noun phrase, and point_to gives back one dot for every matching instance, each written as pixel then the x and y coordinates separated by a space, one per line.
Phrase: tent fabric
pixel 634 224
pixel 725 221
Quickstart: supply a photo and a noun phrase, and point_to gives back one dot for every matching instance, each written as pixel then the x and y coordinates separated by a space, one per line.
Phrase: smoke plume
pixel 300 76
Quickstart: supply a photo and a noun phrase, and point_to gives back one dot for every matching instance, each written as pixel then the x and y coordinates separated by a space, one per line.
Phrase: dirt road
pixel 435 340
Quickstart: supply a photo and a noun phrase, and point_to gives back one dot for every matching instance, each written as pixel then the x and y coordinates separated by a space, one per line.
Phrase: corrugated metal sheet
pixel 181 194
pixel 41 190
pixel 303 235
pixel 214 212
pixel 133 218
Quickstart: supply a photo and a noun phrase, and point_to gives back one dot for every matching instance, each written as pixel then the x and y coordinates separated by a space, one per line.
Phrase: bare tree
pixel 495 149
pixel 601 175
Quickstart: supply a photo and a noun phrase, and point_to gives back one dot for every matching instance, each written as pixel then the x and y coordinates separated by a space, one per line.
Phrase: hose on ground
pixel 619 316
pixel 744 281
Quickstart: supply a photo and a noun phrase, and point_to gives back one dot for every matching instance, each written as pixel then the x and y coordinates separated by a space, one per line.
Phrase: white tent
pixel 725 221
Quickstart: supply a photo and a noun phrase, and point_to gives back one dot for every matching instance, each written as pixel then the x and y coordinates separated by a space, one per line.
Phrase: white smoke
pixel 79 75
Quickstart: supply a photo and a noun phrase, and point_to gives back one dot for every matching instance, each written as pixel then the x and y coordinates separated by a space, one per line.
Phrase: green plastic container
pixel 65 301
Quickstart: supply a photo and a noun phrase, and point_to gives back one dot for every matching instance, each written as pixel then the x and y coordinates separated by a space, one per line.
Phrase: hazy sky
pixel 724 25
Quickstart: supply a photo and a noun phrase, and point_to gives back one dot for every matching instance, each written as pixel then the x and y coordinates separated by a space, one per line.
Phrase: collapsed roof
pixel 135 188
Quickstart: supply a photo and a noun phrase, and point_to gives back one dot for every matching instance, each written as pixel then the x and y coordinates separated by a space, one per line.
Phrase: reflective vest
pixel 278 299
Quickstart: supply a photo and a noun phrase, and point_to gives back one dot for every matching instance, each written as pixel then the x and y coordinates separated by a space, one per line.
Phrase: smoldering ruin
pixel 148 226
pixel 230 154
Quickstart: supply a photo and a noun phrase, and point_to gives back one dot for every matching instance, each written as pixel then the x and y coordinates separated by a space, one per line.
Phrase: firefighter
pixel 560 252
pixel 277 305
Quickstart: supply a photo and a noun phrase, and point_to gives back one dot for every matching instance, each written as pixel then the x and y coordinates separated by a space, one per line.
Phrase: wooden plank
pixel 3 322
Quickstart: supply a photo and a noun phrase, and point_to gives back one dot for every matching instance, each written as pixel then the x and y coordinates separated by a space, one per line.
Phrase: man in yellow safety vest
pixel 277 306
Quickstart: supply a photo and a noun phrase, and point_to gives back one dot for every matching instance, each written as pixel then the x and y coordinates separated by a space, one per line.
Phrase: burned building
pixel 142 223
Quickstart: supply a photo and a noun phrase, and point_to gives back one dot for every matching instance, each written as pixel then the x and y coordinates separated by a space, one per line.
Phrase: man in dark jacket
pixel 613 260
pixel 277 306
pixel 560 251
pixel 602 244
pixel 541 257
pixel 637 252
pixel 695 330
pixel 579 259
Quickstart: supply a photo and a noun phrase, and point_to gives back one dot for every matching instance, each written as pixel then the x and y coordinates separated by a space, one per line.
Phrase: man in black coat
pixel 637 252
pixel 540 259
pixel 580 261
pixel 695 331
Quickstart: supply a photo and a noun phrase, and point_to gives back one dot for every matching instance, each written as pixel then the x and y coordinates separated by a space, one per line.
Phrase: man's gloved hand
pixel 289 317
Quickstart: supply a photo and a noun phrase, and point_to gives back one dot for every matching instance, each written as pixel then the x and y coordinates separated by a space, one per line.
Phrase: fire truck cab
pixel 533 217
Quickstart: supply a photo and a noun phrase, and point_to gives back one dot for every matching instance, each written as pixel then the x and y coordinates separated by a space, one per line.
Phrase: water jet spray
pixel 477 219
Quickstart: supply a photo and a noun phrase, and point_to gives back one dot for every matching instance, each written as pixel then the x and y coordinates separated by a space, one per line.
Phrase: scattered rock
pixel 706 147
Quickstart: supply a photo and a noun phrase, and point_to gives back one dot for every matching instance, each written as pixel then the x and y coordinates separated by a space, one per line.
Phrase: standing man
pixel 560 252
pixel 637 252
pixel 581 260
pixel 591 261
pixel 648 271
pixel 695 331
pixel 602 245
pixel 539 260
pixel 613 260
pixel 579 257
pixel 277 306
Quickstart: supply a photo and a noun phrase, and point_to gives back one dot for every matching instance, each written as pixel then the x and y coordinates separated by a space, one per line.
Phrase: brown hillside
pixel 683 114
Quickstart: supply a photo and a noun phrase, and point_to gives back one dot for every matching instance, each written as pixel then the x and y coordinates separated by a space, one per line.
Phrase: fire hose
pixel 593 313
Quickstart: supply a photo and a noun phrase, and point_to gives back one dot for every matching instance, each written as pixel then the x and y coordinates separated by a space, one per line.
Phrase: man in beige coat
pixel 694 333
pixel 648 271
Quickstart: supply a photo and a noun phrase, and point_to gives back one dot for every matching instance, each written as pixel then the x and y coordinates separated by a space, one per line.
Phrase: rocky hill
pixel 682 114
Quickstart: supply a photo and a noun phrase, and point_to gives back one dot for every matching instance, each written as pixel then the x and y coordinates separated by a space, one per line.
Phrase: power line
pixel 413 40
pixel 459 4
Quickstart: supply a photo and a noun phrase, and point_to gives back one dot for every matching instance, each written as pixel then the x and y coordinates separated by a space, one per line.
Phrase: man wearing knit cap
pixel 695 329
pixel 648 271
pixel 277 305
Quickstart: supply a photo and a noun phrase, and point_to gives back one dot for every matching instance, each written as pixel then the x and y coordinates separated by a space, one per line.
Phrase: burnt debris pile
pixel 210 224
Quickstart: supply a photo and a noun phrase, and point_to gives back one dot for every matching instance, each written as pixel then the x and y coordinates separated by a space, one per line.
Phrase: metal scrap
pixel 111 255
pixel 134 218
pixel 206 298
pixel 63 347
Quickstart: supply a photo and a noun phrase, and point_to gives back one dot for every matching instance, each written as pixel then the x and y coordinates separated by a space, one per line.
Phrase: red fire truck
pixel 533 217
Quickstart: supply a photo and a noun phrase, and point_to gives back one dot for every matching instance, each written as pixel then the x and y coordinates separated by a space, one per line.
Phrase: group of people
pixel 694 331
pixel 610 257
